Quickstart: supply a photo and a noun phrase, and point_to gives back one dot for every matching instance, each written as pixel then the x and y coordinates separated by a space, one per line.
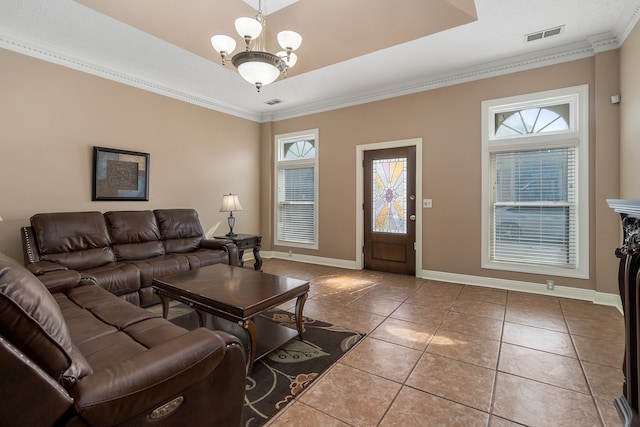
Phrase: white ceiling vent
pixel 274 101
pixel 543 34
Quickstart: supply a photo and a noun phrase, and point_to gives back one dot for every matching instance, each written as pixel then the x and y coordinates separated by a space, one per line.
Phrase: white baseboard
pixel 600 298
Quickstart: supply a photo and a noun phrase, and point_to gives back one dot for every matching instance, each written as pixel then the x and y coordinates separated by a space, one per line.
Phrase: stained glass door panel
pixel 389 198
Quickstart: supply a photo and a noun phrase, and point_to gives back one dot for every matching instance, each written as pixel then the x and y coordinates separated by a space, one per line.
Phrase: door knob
pixel 412 217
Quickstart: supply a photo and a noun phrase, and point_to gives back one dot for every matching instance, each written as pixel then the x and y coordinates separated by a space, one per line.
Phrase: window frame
pixel 577 136
pixel 280 164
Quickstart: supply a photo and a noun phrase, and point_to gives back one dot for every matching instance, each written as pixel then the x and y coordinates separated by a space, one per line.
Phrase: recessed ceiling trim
pixel 539 59
pixel 45 53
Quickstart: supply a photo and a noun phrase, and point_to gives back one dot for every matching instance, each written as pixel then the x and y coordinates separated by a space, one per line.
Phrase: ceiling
pixel 352 52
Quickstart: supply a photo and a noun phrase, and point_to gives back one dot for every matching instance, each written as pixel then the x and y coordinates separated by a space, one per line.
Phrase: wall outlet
pixel 290 253
pixel 427 203
pixel 550 285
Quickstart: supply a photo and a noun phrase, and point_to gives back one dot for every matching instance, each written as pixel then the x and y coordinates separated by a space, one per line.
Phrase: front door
pixel 389 210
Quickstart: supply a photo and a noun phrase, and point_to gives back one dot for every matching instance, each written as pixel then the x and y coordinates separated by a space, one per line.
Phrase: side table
pixel 247 241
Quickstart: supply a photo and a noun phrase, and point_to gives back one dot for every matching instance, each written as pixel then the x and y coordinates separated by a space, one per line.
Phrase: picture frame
pixel 120 175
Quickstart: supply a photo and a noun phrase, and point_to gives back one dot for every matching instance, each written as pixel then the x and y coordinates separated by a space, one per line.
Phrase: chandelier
pixel 255 64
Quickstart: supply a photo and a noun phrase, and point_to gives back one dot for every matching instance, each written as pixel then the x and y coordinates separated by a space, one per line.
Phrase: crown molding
pixel 46 53
pixel 539 59
pixel 554 56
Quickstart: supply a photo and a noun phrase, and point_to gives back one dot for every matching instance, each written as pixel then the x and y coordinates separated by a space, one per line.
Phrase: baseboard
pixel 600 298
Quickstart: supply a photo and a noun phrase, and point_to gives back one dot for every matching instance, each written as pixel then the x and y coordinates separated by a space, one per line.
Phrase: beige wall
pixel 448 121
pixel 630 116
pixel 51 117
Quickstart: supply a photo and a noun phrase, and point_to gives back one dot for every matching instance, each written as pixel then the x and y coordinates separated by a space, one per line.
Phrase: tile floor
pixel 441 354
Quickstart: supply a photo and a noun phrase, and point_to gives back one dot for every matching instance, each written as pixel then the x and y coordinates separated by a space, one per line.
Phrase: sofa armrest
pixel 148 380
pixel 227 245
pixel 43 267
pixel 61 280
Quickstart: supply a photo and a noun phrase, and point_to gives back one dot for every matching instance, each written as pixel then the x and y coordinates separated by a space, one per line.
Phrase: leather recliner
pixel 81 356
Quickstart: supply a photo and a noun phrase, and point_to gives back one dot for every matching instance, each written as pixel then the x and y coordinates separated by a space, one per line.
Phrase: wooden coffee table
pixel 238 295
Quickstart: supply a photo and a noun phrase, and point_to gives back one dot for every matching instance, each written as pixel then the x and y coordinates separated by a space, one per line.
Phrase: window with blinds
pixel 535 198
pixel 296 191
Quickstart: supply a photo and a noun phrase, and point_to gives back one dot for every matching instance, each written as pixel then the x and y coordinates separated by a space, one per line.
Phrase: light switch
pixel 427 203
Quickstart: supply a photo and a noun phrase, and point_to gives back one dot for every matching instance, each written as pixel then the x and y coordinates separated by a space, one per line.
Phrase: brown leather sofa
pixel 120 251
pixel 79 356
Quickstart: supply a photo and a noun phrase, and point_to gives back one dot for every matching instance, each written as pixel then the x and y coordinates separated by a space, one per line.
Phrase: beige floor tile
pixel 382 358
pixel 408 334
pixel 477 293
pixel 419 314
pixel 473 325
pixel 589 310
pixel 393 292
pixel 442 288
pixel 322 311
pixel 539 339
pixel 536 404
pixel 375 305
pixel 501 422
pixel 539 319
pixel 607 330
pixel 609 413
pixel 465 348
pixel 598 351
pixel 426 299
pixel 605 381
pixel 353 396
pixel 359 320
pixel 460 382
pixel 548 368
pixel 541 303
pixel 300 415
pixel 413 408
pixel 479 308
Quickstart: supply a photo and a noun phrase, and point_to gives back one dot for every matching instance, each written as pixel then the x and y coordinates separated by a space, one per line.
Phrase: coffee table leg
pixel 165 305
pixel 299 306
pixel 250 330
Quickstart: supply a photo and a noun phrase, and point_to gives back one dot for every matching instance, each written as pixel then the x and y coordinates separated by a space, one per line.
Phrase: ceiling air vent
pixel 543 34
pixel 274 101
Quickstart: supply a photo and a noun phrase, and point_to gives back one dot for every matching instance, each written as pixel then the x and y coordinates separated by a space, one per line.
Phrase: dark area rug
pixel 281 375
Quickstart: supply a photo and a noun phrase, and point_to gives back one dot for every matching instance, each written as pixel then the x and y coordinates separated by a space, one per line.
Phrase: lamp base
pixel 231 234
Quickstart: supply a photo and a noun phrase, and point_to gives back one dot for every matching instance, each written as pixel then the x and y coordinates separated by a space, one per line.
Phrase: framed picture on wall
pixel 120 175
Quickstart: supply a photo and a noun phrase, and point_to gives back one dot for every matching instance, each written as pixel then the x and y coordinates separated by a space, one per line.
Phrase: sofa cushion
pixel 116 277
pixel 135 234
pixel 180 229
pixel 33 322
pixel 77 240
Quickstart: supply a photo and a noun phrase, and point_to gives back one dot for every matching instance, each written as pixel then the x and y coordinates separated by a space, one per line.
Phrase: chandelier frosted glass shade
pixel 258 67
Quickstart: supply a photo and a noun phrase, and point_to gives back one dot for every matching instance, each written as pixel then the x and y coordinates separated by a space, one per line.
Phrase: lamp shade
pixel 289 39
pixel 230 203
pixel 222 43
pixel 258 72
pixel 248 27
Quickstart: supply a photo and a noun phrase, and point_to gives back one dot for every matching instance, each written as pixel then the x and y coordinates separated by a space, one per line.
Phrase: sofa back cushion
pixel 135 234
pixel 31 319
pixel 180 229
pixel 77 240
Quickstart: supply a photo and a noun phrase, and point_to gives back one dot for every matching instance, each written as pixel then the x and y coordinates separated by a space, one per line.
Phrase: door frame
pixel 360 149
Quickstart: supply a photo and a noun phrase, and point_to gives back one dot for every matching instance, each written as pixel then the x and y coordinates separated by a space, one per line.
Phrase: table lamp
pixel 230 203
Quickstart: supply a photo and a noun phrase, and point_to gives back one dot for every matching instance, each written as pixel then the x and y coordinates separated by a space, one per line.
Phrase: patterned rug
pixel 281 375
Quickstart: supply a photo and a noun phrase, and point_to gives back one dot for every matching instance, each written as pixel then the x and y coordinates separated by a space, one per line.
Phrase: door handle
pixel 412 217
